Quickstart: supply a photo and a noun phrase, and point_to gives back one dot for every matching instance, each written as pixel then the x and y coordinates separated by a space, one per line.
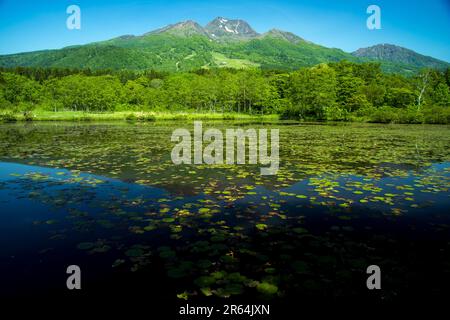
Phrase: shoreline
pixel 129 116
pixel 152 116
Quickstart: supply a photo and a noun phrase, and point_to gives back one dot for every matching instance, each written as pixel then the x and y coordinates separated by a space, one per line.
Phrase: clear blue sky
pixel 423 26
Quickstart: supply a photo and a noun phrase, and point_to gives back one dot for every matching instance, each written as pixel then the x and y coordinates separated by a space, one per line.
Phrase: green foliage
pixel 16 89
pixel 399 97
pixel 339 91
pixel 131 117
pixel 76 92
pixel 8 117
pixel 437 115
pixel 28 116
pixel 387 114
pixel 336 113
pixel 312 90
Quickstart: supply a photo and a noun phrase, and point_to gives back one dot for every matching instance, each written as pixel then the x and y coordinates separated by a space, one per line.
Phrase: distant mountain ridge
pixel 393 53
pixel 223 42
pixel 185 28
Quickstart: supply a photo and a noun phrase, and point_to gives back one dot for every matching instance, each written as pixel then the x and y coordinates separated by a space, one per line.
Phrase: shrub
pixel 228 116
pixel 8 117
pixel 387 114
pixel 85 117
pixel 28 115
pixel 291 113
pixel 410 115
pixel 5 104
pixel 131 117
pixel 384 114
pixel 336 113
pixel 146 117
pixel 436 115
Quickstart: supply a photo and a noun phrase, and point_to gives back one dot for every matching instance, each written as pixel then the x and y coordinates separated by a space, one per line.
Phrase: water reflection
pixel 345 198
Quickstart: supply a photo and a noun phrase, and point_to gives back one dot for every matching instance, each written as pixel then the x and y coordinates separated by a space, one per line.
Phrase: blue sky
pixel 423 26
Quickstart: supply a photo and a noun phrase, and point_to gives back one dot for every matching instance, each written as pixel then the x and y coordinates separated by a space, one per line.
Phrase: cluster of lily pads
pixel 226 230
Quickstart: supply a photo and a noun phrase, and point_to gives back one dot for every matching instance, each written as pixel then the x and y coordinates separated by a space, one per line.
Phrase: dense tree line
pixel 336 91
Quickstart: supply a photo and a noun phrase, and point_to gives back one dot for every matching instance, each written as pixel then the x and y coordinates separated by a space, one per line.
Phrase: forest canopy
pixel 341 91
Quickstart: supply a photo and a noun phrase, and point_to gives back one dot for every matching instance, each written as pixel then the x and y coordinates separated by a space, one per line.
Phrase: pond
pixel 107 197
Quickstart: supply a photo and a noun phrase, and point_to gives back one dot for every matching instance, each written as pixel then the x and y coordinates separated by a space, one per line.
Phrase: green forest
pixel 339 91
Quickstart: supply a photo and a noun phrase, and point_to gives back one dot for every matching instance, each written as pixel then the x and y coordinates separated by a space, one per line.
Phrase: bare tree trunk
pixel 422 89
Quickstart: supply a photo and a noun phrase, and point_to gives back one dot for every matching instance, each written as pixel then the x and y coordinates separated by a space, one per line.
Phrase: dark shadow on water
pixel 136 242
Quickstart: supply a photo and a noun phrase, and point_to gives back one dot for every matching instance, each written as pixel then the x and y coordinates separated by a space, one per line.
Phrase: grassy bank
pixel 381 115
pixel 40 115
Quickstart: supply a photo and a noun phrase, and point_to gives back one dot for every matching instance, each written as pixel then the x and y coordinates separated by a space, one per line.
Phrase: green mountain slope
pixel 276 53
pixel 159 52
pixel 222 43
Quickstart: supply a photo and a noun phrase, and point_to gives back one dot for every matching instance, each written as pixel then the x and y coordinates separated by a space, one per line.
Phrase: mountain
pixel 223 42
pixel 399 55
pixel 288 36
pixel 222 28
pixel 183 29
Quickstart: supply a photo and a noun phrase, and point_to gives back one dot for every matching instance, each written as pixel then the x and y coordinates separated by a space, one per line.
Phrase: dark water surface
pixel 107 197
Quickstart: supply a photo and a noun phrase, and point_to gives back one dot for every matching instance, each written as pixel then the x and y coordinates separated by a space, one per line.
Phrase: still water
pixel 107 197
